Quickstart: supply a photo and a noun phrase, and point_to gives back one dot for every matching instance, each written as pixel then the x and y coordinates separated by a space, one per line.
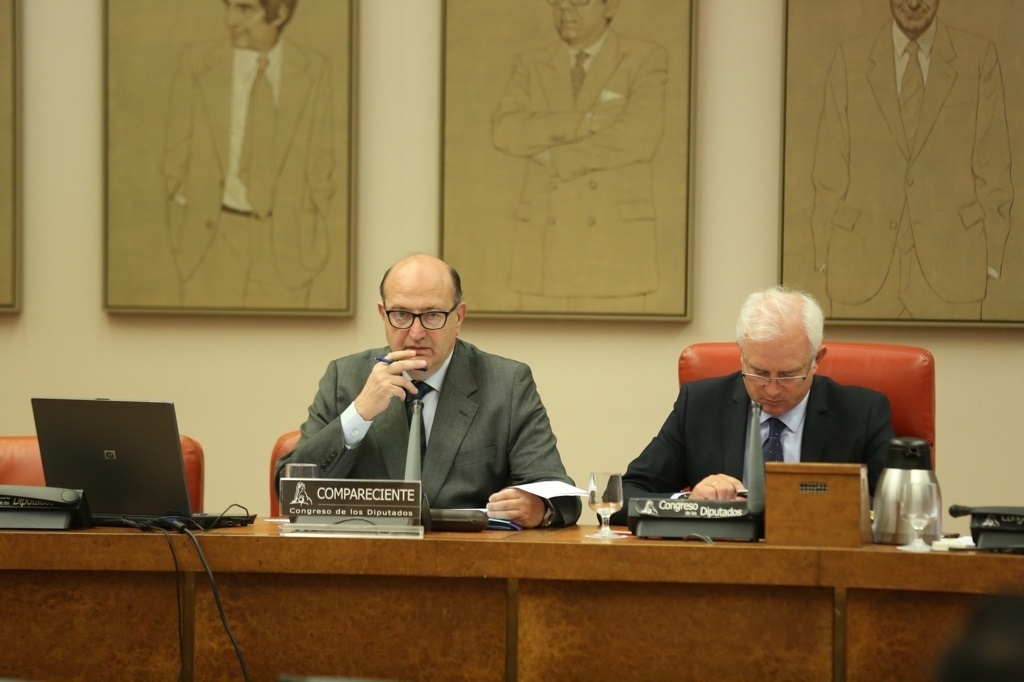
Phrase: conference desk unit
pixel 532 605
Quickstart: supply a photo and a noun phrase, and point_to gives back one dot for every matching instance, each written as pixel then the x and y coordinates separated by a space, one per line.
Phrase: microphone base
pixel 748 529
pixel 682 519
pixel 994 541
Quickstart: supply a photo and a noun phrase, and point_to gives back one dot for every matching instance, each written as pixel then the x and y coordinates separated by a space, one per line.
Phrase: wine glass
pixel 605 494
pixel 919 506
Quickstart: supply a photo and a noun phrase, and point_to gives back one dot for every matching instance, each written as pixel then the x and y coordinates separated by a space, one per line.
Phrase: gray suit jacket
pixel 490 431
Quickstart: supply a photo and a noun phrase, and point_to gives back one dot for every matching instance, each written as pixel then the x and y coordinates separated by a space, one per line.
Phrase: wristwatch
pixel 549 515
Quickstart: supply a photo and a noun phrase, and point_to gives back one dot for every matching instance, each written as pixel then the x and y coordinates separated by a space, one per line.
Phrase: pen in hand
pixel 388 361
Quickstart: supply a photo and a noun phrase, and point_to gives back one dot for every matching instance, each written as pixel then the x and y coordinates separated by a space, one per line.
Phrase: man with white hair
pixel 701 445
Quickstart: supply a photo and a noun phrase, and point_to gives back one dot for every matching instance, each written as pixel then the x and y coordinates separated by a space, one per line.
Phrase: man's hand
pixel 518 506
pixel 386 382
pixel 717 487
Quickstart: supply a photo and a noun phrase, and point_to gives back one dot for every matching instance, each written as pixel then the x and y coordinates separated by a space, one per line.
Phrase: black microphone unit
pixel 708 520
pixel 995 529
pixel 684 519
pixel 36 507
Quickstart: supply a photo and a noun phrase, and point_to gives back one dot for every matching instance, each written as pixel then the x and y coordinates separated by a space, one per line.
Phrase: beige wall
pixel 239 382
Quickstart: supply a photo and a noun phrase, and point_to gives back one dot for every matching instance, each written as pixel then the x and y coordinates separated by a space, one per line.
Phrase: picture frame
pixel 199 217
pixel 563 206
pixel 935 240
pixel 10 194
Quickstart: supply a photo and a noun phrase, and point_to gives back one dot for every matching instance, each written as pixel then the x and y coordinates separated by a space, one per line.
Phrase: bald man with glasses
pixel 486 428
pixel 700 448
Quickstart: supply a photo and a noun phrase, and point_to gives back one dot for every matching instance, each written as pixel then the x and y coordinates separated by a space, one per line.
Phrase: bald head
pixel 423 284
pixel 424 268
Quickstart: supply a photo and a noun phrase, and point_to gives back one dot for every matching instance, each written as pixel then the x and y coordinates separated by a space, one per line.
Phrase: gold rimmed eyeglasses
pixel 783 382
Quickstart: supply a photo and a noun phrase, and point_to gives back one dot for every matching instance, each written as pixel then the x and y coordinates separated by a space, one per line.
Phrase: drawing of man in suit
pixel 912 171
pixel 587 114
pixel 249 163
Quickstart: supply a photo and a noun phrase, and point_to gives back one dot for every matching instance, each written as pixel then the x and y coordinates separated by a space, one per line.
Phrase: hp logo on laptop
pixel 109 454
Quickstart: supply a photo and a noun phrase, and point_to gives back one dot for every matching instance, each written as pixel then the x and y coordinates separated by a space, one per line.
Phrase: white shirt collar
pixel 247 65
pixel 592 50
pixel 794 419
pixel 925 41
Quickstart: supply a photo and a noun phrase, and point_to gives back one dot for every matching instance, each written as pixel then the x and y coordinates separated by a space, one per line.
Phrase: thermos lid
pixel 909 453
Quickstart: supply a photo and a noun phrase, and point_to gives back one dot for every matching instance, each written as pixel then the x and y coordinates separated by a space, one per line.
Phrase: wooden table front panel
pixel 391 627
pixel 900 635
pixel 88 625
pixel 630 631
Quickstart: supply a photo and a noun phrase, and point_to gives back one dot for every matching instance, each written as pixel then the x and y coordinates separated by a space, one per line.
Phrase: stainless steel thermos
pixel 908 459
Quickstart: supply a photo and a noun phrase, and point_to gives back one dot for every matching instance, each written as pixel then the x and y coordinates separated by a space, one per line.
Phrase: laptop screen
pixel 125 455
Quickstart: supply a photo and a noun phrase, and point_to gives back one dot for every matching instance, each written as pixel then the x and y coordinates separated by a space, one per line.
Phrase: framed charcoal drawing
pixel 10 200
pixel 903 124
pixel 229 156
pixel 567 151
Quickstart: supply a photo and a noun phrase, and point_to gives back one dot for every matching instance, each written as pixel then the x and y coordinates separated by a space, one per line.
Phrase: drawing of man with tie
pixel 249 163
pixel 587 114
pixel 912 188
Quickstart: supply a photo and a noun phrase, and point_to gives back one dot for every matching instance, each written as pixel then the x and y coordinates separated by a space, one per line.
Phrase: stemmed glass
pixel 919 506
pixel 605 494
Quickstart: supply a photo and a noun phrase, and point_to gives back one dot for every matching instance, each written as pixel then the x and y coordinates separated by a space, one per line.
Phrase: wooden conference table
pixel 101 604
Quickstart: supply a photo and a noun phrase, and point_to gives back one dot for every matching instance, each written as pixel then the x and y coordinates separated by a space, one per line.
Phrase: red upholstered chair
pixel 905 374
pixel 195 465
pixel 20 464
pixel 284 445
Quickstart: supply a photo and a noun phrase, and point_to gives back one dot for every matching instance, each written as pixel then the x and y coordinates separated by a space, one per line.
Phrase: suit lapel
pixel 452 419
pixel 601 70
pixel 295 87
pixel 734 431
pixel 556 81
pixel 941 76
pixel 215 82
pixel 814 439
pixel 881 76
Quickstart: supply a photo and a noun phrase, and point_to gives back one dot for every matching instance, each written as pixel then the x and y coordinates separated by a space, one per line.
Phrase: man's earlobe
pixel 282 15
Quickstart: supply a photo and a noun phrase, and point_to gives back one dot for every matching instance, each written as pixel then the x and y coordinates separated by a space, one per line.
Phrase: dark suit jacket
pixel 705 435
pixel 490 431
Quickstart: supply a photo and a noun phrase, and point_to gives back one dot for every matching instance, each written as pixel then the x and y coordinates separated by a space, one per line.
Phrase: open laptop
pixel 125 455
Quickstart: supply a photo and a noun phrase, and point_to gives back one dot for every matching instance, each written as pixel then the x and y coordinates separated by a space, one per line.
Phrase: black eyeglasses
pixel 431 320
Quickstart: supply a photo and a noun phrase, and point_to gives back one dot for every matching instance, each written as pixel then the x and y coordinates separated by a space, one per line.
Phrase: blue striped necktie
pixel 772 447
